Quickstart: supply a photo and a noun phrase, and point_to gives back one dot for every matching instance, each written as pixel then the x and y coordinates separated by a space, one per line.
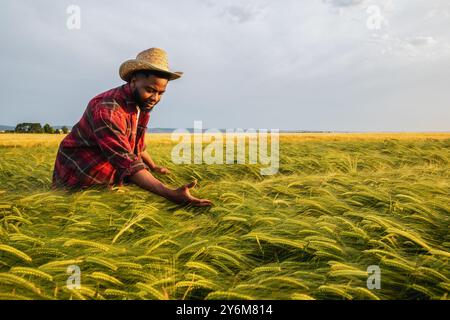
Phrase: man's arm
pixel 109 129
pixel 147 181
pixel 147 159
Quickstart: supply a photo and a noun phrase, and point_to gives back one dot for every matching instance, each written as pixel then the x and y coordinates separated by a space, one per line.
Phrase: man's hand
pixel 183 196
pixel 144 179
pixel 159 169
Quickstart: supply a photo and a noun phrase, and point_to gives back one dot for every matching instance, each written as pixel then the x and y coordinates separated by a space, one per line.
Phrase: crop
pixel 340 203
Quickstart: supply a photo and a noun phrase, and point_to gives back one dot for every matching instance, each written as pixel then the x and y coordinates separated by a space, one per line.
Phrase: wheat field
pixel 340 203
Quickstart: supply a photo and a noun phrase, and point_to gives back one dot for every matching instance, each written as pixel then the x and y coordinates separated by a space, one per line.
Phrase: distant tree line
pixel 35 127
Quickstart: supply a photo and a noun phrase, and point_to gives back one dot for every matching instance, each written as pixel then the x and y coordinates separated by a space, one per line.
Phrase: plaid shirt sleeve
pixel 109 128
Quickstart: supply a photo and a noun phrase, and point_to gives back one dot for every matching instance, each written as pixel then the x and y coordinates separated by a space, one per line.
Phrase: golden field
pixel 339 204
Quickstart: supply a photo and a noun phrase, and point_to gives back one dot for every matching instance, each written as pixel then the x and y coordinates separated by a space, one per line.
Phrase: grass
pixel 340 203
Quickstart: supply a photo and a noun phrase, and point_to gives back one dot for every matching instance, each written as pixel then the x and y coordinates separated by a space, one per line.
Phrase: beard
pixel 143 104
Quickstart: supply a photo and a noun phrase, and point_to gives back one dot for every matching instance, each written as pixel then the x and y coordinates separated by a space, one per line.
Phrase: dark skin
pixel 148 90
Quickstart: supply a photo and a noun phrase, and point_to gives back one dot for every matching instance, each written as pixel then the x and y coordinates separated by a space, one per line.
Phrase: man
pixel 106 147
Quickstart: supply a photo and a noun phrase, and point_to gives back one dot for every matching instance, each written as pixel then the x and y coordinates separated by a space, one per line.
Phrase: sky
pixel 339 65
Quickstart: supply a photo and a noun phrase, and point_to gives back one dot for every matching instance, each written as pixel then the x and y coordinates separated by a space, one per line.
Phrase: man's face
pixel 148 90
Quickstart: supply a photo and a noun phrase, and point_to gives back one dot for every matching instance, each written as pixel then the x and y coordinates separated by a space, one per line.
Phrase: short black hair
pixel 147 73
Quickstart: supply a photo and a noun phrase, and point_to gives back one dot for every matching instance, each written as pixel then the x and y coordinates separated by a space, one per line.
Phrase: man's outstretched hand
pixel 144 179
pixel 183 196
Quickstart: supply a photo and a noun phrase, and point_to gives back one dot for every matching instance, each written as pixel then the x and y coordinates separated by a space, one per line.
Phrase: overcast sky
pixel 361 65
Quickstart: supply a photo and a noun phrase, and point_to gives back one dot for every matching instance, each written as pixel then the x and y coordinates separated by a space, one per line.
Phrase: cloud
pixel 417 47
pixel 343 3
pixel 421 41
pixel 242 13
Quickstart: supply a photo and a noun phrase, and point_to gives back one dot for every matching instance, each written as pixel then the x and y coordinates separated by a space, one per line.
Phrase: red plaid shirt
pixel 104 147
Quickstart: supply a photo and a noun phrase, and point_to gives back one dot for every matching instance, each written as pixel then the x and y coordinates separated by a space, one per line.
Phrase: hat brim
pixel 128 67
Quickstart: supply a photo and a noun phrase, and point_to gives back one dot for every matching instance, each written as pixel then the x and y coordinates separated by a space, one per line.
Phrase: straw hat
pixel 150 59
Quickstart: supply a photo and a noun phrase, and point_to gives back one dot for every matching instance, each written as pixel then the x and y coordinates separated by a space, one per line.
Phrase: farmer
pixel 106 147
